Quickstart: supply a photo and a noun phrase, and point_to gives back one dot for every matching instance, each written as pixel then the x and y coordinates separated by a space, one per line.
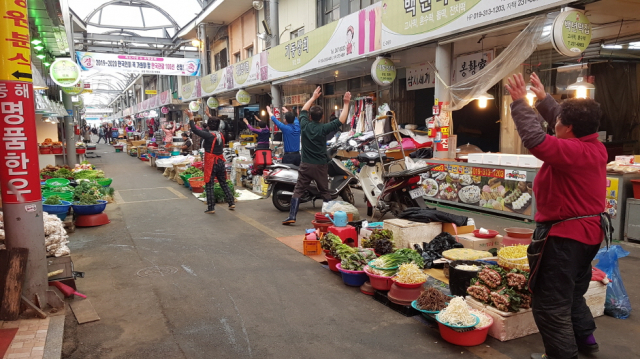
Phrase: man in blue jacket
pixel 290 136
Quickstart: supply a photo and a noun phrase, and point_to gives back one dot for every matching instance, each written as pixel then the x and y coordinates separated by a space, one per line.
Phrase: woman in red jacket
pixel 570 191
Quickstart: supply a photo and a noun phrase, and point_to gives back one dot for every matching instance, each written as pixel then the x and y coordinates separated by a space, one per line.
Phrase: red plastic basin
pixel 516 232
pixel 379 282
pixel 465 339
pixel 333 263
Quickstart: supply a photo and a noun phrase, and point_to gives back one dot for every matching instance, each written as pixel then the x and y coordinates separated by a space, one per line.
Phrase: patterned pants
pixel 218 171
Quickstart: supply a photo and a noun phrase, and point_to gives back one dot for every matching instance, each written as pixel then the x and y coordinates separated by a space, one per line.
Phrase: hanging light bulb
pixel 195 43
pixel 483 99
pixel 582 88
pixel 531 96
pixel 262 113
pixel 38 47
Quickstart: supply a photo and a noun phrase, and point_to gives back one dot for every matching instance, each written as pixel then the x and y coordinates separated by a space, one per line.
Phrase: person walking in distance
pixel 569 221
pixel 101 135
pixel 314 166
pixel 214 162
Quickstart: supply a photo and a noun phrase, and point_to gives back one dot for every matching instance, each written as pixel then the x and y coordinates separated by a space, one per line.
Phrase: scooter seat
pixel 409 173
pixel 292 166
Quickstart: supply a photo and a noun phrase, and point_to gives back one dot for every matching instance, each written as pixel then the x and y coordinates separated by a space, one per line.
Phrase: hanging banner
pixel 350 37
pixel 212 83
pixel 468 65
pixel 420 77
pixel 15 48
pixel 150 92
pixel 64 72
pixel 571 33
pixel 383 71
pixel 138 64
pixel 417 21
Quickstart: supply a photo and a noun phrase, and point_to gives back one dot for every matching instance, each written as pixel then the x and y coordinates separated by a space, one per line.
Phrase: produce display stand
pixel 450 178
pixel 619 189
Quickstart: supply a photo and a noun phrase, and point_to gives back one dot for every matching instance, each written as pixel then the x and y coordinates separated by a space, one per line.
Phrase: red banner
pixel 20 173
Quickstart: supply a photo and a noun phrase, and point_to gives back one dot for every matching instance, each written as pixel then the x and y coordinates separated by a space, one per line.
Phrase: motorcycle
pixel 389 191
pixel 282 180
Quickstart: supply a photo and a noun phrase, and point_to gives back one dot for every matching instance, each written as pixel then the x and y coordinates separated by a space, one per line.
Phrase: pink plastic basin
pixel 379 282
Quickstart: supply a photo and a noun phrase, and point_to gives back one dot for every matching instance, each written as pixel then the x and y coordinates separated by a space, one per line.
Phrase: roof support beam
pixel 125 38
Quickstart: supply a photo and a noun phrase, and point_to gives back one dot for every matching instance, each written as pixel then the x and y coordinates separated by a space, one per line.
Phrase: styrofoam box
pixel 407 233
pixel 529 161
pixel 480 244
pixel 491 158
pixel 507 326
pixel 508 160
pixel 475 158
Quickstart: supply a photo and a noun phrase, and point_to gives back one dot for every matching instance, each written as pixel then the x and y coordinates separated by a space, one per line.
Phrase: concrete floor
pixel 169 281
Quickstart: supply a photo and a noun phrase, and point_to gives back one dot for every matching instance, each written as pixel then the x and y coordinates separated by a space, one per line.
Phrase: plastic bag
pixel 617 304
pixel 335 206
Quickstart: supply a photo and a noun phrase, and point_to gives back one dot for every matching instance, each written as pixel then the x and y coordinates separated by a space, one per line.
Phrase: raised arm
pixel 194 128
pixel 345 108
pixel 525 118
pixel 312 100
pixel 546 105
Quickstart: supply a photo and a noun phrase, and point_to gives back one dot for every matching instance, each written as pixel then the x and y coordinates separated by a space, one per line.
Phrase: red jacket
pixel 572 180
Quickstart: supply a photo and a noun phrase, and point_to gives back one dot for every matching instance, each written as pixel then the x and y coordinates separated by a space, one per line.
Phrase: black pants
pixel 559 307
pixel 292 158
pixel 262 146
pixel 219 172
pixel 317 173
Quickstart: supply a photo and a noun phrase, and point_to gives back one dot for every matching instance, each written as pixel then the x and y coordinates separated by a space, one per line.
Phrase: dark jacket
pixel 210 139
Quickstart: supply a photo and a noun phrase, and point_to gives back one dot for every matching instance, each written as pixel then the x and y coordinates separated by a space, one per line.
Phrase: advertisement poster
pixel 89 61
pixel 611 202
pixel 497 189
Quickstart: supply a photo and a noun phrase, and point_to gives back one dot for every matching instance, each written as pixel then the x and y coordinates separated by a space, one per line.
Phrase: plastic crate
pixel 311 247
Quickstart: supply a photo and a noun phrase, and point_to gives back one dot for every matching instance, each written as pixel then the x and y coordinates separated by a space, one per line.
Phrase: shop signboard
pixel 383 71
pixel 243 97
pixel 65 72
pixel 212 83
pixel 213 103
pixel 75 89
pixel 571 32
pixel 469 64
pixel 500 189
pixel 348 38
pixel 296 99
pixel 415 21
pixel 420 77
pixel 165 98
pixel 150 92
pixel 15 47
pixel 611 202
pixel 176 66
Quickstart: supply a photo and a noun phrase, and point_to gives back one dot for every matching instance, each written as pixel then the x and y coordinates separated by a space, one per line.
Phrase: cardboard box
pixel 482 244
pixel 475 157
pixel 348 154
pixel 491 158
pixel 448 227
pixel 407 233
pixel 508 160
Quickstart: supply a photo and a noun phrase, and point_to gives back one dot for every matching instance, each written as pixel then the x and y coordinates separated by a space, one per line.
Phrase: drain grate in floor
pixel 157 271
pixel 148 195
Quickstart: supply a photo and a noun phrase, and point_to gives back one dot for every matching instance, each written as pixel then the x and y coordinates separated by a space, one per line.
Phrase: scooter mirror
pixel 353 143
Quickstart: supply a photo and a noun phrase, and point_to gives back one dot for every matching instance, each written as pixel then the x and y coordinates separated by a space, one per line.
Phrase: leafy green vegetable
pixel 61 189
pixel 196 172
pixel 89 174
pixel 219 193
pixel 63 173
pixel 53 200
pixel 412 256
pixel 88 188
pixel 329 241
pixel 380 240
pixel 343 251
pixel 87 199
pixel 356 261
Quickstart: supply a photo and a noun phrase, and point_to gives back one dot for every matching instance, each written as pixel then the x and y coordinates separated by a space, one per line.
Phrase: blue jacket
pixel 290 134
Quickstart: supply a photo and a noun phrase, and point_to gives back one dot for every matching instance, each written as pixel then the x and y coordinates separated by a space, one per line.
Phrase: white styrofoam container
pixel 407 233
pixel 475 158
pixel 508 160
pixel 507 326
pixel 491 158
pixel 529 161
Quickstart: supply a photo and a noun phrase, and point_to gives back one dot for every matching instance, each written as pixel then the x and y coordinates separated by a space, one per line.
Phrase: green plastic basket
pixel 65 196
pixel 57 182
pixel 104 182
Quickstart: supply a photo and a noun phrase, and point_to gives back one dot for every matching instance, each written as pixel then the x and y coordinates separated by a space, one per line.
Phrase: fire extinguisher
pixel 76 130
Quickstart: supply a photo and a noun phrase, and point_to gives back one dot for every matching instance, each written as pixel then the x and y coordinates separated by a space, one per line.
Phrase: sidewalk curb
pixel 53 344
